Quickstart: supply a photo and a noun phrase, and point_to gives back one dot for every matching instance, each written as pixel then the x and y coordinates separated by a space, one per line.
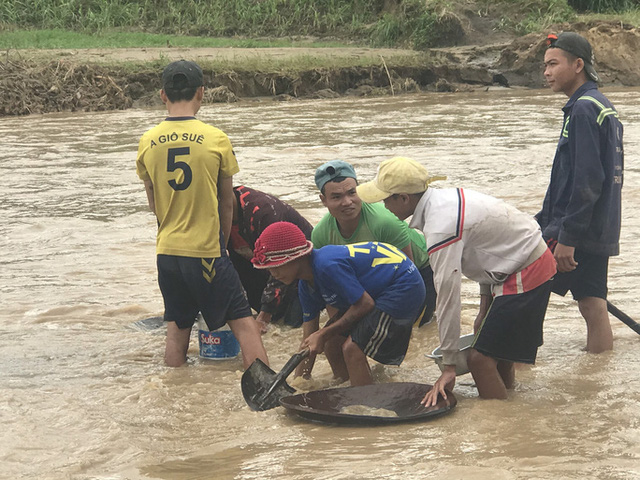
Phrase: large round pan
pixel 401 398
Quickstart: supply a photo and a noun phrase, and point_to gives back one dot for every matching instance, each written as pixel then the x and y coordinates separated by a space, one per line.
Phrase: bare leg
pixel 507 371
pixel 333 352
pixel 247 331
pixel 357 364
pixel 599 334
pixel 485 373
pixel 175 353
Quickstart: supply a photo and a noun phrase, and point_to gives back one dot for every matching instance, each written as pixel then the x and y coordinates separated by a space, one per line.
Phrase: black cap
pixel 576 45
pixel 182 74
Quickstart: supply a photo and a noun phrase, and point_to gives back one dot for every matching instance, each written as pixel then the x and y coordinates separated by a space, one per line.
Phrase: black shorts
pixel 383 338
pixel 191 285
pixel 252 279
pixel 254 282
pixel 589 279
pixel 512 329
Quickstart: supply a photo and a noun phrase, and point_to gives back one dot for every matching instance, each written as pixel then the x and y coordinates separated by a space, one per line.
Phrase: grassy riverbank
pixel 248 23
pixel 62 55
pixel 387 22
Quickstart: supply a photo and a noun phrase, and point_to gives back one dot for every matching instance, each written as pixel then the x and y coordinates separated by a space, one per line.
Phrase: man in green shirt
pixel 348 221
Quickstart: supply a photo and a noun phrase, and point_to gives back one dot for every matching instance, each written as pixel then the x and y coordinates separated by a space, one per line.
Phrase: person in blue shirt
pixel 581 213
pixel 376 290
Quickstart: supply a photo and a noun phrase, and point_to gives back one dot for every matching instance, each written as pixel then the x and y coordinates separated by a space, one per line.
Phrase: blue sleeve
pixel 588 180
pixel 311 302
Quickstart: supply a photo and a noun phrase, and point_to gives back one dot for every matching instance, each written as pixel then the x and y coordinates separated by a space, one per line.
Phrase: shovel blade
pixel 256 381
pixel 152 325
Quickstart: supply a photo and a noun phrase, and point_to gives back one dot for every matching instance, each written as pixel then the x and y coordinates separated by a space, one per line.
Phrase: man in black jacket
pixel 581 213
pixel 254 211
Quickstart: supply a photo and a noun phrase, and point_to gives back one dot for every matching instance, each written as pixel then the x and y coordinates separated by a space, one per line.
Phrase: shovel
pixel 623 317
pixel 152 324
pixel 262 388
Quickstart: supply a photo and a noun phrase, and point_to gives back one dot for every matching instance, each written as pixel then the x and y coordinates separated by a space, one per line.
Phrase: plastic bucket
pixel 220 344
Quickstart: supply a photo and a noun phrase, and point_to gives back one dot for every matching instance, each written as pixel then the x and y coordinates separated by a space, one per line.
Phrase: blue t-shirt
pixel 342 273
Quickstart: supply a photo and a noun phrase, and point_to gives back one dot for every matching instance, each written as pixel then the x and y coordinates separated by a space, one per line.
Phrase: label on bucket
pixel 218 345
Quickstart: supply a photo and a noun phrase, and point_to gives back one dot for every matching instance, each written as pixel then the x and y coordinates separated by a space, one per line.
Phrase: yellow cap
pixel 396 175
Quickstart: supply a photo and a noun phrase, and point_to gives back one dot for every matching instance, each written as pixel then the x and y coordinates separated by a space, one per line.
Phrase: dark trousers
pixel 254 282
pixel 430 299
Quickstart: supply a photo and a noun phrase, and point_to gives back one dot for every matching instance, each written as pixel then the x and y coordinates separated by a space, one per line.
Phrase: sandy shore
pixel 229 54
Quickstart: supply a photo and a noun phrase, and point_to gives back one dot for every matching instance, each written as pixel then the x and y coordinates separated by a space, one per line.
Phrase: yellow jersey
pixel 184 157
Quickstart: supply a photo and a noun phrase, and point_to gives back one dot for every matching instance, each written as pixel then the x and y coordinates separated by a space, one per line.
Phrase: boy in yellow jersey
pixel 187 168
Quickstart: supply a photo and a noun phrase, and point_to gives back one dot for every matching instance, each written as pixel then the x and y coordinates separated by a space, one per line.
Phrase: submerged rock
pixel 325 93
pixel 220 94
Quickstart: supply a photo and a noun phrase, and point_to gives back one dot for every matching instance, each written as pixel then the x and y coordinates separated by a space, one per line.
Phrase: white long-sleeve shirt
pixel 476 235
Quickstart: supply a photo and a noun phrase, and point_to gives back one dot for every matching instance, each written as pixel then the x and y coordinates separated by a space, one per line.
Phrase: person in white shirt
pixel 485 239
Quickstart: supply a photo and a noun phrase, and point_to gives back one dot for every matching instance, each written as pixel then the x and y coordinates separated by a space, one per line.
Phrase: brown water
pixel 83 395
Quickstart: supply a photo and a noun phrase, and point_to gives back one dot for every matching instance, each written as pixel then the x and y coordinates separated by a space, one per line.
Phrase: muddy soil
pixel 93 80
pixel 616 48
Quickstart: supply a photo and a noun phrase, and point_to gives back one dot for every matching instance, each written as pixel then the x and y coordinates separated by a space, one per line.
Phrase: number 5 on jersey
pixel 173 165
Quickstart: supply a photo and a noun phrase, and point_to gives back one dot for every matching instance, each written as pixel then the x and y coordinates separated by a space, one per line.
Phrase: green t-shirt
pixel 377 224
pixel 418 248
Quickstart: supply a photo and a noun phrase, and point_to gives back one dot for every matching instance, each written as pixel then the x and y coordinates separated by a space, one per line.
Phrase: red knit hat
pixel 280 243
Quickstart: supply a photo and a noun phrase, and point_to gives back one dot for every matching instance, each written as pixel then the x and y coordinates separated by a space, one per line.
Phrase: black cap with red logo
pixel 576 45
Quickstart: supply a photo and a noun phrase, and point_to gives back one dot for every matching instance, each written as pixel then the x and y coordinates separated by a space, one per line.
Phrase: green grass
pixel 251 23
pixel 41 41
pixel 215 18
pixel 603 6
pixel 631 17
pixel 383 23
pixel 290 64
pixel 47 39
pixel 527 16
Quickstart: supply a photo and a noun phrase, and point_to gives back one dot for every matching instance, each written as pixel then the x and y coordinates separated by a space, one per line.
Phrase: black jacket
pixel 582 206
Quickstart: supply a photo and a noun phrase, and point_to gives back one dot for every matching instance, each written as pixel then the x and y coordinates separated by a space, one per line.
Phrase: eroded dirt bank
pixel 49 81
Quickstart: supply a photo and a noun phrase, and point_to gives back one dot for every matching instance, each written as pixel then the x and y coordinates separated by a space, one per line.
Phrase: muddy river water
pixel 85 396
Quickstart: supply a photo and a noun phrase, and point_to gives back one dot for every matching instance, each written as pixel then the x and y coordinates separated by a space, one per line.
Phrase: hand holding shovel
pixel 262 388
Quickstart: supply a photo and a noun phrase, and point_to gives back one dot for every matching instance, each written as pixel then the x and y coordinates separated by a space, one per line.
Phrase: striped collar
pixel 178 119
